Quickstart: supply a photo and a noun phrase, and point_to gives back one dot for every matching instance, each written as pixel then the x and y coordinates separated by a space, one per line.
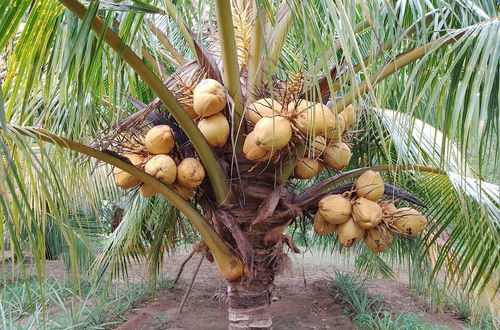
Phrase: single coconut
pixel 349 116
pixel 378 239
pixel 323 227
pixel 370 185
pixel 162 167
pixel 262 108
pixel 160 139
pixel 409 221
pixel 182 191
pixel 388 208
pixel 367 213
pixel 335 209
pixel 306 168
pixel 190 173
pixel 349 233
pixel 125 180
pixel 337 155
pixel 318 146
pixel 335 133
pixel 253 151
pixel 215 129
pixel 312 119
pixel 209 97
pixel 147 191
pixel 273 133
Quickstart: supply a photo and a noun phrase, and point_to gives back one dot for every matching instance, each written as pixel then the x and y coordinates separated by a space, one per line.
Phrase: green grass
pixel 60 305
pixel 350 290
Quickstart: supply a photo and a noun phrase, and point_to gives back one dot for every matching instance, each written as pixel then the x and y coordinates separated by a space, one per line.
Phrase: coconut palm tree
pixel 82 80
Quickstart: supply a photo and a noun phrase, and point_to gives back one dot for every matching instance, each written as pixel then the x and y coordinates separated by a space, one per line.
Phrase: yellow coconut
pixel 215 129
pixel 253 151
pixel 318 146
pixel 262 108
pixel 370 185
pixel 273 133
pixel 349 233
pixel 125 180
pixel 209 97
pixel 335 209
pixel 147 191
pixel 182 191
pixel 335 133
pixel 378 239
pixel 337 155
pixel 160 139
pixel 389 208
pixel 190 173
pixel 367 213
pixel 162 167
pixel 323 227
pixel 349 116
pixel 409 221
pixel 312 119
pixel 306 168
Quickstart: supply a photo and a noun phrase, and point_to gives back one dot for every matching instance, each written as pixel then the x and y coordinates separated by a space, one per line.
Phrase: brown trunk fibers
pixel 252 226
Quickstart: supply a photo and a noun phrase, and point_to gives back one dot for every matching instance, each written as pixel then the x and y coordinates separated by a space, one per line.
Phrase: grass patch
pixel 59 305
pixel 350 290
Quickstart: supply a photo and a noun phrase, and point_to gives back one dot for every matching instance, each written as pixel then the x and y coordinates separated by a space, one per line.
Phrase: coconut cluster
pixel 314 124
pixel 182 176
pixel 362 215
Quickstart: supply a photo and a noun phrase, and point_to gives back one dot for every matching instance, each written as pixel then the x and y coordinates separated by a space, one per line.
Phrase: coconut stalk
pixel 215 172
pixel 254 75
pixel 229 265
pixel 231 74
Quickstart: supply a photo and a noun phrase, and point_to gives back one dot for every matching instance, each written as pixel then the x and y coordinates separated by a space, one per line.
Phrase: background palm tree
pixel 433 63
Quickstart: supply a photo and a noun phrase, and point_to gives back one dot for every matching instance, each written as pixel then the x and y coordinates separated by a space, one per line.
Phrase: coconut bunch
pixel 275 126
pixel 159 142
pixel 362 215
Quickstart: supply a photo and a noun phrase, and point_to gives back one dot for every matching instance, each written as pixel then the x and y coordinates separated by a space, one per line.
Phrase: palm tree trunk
pixel 249 303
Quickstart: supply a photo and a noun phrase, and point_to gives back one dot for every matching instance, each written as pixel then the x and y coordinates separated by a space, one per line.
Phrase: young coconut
pixel 190 173
pixel 160 139
pixel 337 155
pixel 262 108
pixel 370 185
pixel 349 233
pixel 215 129
pixel 209 97
pixel 273 133
pixel 162 167
pixel 147 191
pixel 335 133
pixel 388 208
pixel 125 180
pixel 321 166
pixel 323 227
pixel 312 119
pixel 367 213
pixel 349 116
pixel 318 146
pixel 378 239
pixel 253 151
pixel 335 209
pixel 409 221
pixel 306 168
